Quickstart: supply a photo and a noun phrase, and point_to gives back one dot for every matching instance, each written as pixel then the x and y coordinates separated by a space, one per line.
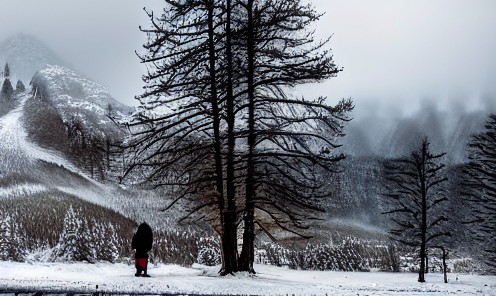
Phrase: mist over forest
pixel 394 129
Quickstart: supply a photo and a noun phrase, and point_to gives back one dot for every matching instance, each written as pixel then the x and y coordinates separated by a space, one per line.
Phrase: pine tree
pixel 105 241
pixel 20 87
pixel 5 238
pixel 74 241
pixel 18 244
pixel 6 72
pixel 7 92
pixel 415 198
pixel 216 120
pixel 479 190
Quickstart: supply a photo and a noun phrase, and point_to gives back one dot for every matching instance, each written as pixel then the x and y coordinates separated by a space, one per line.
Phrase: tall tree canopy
pixel 218 122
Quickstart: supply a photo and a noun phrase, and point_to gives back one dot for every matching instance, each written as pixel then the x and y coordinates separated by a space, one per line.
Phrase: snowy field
pixel 270 280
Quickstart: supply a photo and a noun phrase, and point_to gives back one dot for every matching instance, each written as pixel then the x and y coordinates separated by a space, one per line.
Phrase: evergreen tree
pixel 20 86
pixel 415 198
pixel 289 140
pixel 105 242
pixel 479 189
pixel 18 244
pixel 5 238
pixel 74 241
pixel 6 72
pixel 7 92
pixel 216 120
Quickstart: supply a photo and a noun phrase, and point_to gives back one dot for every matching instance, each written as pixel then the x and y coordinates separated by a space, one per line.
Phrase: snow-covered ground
pixel 269 280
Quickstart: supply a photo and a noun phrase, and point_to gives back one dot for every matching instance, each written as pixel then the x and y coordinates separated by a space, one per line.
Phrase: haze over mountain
pixel 27 55
pixel 393 134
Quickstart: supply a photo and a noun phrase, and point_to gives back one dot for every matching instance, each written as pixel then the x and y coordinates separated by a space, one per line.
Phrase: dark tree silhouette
pixel 216 123
pixel 288 139
pixel 20 86
pixel 479 185
pixel 6 72
pixel 7 92
pixel 186 140
pixel 415 198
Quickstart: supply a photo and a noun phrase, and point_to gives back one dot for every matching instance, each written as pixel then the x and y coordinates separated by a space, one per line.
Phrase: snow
pixel 199 279
pixel 16 150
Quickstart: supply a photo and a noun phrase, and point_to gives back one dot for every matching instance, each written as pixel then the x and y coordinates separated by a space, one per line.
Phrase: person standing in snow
pixel 142 243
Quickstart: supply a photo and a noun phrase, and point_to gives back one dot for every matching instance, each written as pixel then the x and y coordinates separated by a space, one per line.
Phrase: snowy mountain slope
pixel 80 98
pixel 448 131
pixel 27 169
pixel 21 161
pixel 26 55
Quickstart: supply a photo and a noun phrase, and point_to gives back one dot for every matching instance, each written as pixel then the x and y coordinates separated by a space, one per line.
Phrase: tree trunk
pixel 230 243
pixel 422 174
pixel 445 267
pixel 426 262
pixel 248 251
pixel 226 264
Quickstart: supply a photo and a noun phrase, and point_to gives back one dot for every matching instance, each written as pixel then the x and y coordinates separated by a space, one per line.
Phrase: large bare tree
pixel 287 138
pixel 217 123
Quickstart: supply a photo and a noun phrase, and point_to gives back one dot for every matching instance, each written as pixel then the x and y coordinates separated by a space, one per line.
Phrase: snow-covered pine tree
pixel 5 238
pixel 74 241
pixel 18 248
pixel 479 190
pixel 106 242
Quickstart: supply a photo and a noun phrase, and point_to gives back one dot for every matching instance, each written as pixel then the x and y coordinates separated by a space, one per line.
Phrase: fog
pixel 396 55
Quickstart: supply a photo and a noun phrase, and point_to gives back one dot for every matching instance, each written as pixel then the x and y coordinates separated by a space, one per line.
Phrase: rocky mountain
pixel 80 99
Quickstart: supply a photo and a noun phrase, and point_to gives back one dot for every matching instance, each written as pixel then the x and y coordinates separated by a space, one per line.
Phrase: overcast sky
pixel 401 51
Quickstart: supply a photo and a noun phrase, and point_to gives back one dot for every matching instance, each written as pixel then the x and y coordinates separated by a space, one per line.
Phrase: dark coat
pixel 142 241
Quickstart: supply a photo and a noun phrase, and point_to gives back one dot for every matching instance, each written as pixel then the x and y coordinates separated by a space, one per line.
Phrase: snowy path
pixel 270 280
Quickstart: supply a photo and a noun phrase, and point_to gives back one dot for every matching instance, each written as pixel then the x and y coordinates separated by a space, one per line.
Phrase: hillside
pixel 78 98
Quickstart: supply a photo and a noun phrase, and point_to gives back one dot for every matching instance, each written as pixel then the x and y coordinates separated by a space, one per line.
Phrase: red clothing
pixel 141 263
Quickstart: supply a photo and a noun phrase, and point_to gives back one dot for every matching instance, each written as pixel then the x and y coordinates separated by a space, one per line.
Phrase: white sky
pixel 391 50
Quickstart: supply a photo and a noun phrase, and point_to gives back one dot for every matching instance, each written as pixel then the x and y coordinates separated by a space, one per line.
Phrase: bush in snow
pixel 208 251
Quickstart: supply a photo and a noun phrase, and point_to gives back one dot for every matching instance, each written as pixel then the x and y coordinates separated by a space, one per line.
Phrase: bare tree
pixel 287 138
pixel 415 196
pixel 183 145
pixel 479 184
pixel 217 125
